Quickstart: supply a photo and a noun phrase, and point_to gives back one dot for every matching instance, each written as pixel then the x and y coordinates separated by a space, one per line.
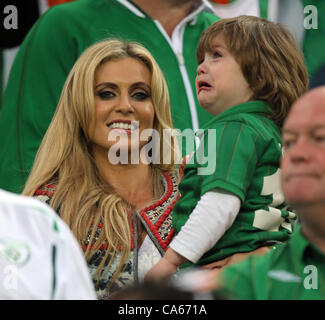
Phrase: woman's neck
pixel 133 182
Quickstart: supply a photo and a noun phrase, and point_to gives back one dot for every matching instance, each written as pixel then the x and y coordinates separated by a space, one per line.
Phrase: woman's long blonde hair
pixel 81 196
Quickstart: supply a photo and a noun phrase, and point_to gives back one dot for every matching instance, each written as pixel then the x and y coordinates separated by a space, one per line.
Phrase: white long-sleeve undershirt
pixel 212 216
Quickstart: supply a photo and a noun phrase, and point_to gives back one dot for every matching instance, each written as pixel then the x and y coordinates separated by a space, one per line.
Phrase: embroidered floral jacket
pixel 157 221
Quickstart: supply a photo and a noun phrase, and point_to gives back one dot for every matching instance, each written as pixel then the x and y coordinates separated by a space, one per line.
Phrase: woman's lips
pixel 122 125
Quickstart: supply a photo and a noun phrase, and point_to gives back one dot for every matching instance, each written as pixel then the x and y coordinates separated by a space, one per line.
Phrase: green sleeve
pixel 35 83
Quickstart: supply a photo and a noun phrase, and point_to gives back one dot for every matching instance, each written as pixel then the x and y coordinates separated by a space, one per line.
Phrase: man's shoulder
pixel 27 211
pixel 207 18
pixel 72 6
pixel 12 200
pixel 76 10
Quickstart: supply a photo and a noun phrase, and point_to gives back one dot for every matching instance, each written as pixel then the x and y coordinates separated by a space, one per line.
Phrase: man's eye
pixel 106 95
pixel 287 144
pixel 319 138
pixel 140 96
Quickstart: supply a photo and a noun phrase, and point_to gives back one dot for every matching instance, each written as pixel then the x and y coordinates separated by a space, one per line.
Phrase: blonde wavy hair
pixel 269 56
pixel 82 197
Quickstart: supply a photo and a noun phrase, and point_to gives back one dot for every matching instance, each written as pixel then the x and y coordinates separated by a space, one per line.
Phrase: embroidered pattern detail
pixel 45 193
pixel 85 243
pixel 158 223
pixel 158 216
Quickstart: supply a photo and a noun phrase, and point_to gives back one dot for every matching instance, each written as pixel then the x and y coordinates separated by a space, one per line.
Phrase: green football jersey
pixel 292 271
pixel 240 153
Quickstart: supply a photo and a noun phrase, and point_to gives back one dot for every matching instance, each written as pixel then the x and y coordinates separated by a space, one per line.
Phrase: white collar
pixel 205 6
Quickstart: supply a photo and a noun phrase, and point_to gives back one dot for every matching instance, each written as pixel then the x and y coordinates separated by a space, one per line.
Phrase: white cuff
pixel 213 215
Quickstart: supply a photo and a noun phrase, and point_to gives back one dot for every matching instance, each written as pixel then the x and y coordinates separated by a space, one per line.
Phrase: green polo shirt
pixel 292 271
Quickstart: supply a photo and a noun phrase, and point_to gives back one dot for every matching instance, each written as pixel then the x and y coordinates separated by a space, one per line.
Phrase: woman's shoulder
pixel 45 192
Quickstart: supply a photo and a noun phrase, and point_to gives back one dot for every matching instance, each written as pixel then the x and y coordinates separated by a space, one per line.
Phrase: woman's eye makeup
pixel 136 92
pixel 105 94
pixel 140 95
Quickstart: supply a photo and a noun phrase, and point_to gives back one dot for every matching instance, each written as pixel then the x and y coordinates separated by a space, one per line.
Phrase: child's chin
pixel 204 104
pixel 208 107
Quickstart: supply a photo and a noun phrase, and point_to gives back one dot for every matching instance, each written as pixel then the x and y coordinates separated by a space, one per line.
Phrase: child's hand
pixel 166 266
pixel 162 270
pixel 185 161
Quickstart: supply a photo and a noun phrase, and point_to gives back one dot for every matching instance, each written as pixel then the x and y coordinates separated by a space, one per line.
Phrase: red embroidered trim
pixel 46 190
pixel 154 228
pixel 221 1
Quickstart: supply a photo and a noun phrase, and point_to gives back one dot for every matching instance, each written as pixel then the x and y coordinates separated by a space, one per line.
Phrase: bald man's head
pixel 303 162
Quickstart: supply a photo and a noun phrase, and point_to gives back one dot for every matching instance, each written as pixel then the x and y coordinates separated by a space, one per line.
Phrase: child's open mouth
pixel 203 85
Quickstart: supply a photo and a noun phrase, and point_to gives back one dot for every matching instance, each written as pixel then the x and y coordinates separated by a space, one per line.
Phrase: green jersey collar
pixel 256 106
pixel 301 246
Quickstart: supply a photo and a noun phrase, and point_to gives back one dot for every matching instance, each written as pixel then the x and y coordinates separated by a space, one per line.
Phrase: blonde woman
pixel 120 213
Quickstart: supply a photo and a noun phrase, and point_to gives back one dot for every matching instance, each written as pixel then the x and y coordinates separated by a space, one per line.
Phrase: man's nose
pixel 301 150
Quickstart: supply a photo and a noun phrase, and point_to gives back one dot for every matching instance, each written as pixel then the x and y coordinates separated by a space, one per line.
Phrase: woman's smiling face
pixel 123 103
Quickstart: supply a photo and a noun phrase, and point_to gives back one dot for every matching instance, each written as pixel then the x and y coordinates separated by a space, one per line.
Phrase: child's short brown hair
pixel 270 59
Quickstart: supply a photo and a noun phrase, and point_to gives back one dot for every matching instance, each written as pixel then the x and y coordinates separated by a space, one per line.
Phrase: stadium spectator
pixel 120 213
pixel 39 257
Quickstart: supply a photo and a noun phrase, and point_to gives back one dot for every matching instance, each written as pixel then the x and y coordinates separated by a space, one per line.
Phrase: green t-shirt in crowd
pixel 240 151
pixel 314 43
pixel 291 271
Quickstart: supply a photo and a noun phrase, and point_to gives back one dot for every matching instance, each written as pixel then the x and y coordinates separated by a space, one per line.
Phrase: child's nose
pixel 201 68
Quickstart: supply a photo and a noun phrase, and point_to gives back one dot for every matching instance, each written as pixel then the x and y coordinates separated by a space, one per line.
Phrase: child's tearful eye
pixel 217 55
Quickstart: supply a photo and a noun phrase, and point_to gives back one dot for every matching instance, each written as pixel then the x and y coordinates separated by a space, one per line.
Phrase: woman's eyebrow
pixel 106 85
pixel 140 84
